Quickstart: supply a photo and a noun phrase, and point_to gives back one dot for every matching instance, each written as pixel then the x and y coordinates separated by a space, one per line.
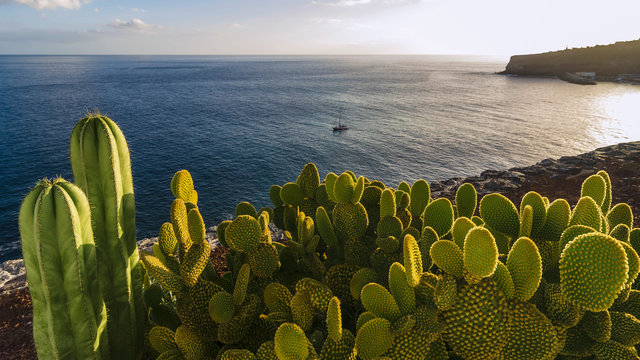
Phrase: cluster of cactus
pixel 80 252
pixel 365 271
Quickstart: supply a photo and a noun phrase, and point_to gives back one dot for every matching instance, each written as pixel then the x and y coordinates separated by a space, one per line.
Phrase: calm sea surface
pixel 241 124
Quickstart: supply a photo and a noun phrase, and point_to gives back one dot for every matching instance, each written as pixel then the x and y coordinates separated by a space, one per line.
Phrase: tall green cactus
pixel 102 169
pixel 69 314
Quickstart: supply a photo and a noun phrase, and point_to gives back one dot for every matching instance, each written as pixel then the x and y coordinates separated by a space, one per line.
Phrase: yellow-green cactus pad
pixel 374 339
pixel 334 320
pixel 338 279
pixel 560 310
pixel 412 260
pixel 361 278
pixel 160 273
pixel 329 182
pixel 399 287
pixel 420 196
pixel 466 200
pixel 238 354
pixel 573 232
pixel 291 343
pixel 363 318
pixel 620 232
pixel 376 299
pixel 343 188
pixel 593 270
pixel 371 196
pixel 597 325
pixel 437 350
pixel 526 221
pixel 448 257
pixel 221 307
pixel 319 293
pixel 242 281
pixel 427 238
pixel 389 226
pixel 162 339
pixel 343 349
pixel 245 208
pixel 500 214
pixel 350 221
pixel 267 351
pixel 587 212
pixel 476 327
pixel 243 234
pixel 291 194
pixel 192 306
pixel 387 203
pixel 445 293
pixel 531 334
pixel 539 208
pixel 264 260
pixel 277 297
pixel 525 266
pixel 502 278
pixel 480 252
pixel 358 191
pixel 301 310
pixel 388 244
pixel 634 263
pixel 620 214
pixel 325 228
pixel 274 195
pixel 612 350
pixel 606 203
pixel 182 186
pixel 309 180
pixel 426 288
pixel 180 224
pixel 595 187
pixel 625 328
pixel 167 239
pixel 557 220
pixel 189 344
pixel 461 227
pixel 439 215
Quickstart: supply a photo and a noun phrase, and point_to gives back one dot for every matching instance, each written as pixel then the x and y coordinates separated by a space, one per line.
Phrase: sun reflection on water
pixel 620 112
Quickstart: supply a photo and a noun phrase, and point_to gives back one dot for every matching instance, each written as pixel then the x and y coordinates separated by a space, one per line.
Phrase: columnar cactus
pixel 69 313
pixel 102 169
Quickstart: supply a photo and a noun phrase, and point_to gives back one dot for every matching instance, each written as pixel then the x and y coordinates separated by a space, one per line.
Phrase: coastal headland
pixel 553 178
pixel 619 61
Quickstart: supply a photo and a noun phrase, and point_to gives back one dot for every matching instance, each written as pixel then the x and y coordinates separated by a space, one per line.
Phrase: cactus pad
pixel 593 270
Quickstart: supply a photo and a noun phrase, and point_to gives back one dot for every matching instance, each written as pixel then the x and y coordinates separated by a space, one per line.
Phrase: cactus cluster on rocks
pixel 364 271
pixel 367 272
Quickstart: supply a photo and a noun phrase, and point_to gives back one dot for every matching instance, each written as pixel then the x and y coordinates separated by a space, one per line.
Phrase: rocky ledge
pixel 550 177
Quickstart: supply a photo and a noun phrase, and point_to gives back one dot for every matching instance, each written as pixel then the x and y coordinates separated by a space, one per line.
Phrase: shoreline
pixel 513 183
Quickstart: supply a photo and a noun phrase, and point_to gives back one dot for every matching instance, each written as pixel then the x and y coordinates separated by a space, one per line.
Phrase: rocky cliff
pixel 605 60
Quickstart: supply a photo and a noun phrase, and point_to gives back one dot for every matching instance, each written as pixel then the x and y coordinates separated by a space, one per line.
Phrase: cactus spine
pixel 69 314
pixel 102 169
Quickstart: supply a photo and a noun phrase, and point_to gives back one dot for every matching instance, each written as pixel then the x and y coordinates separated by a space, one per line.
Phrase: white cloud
pixel 237 26
pixel 139 10
pixel 48 4
pixel 133 24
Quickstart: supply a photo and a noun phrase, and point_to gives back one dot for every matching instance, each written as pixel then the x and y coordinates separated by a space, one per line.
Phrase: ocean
pixel 241 124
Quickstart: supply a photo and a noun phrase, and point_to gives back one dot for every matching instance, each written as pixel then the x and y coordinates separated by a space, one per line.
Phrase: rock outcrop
pixel 607 61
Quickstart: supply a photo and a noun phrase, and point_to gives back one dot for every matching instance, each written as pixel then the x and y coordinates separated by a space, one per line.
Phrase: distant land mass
pixel 608 62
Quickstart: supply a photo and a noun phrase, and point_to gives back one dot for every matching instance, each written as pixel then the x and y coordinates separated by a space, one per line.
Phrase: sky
pixel 315 27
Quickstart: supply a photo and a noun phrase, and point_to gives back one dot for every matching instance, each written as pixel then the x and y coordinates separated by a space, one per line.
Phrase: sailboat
pixel 340 126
